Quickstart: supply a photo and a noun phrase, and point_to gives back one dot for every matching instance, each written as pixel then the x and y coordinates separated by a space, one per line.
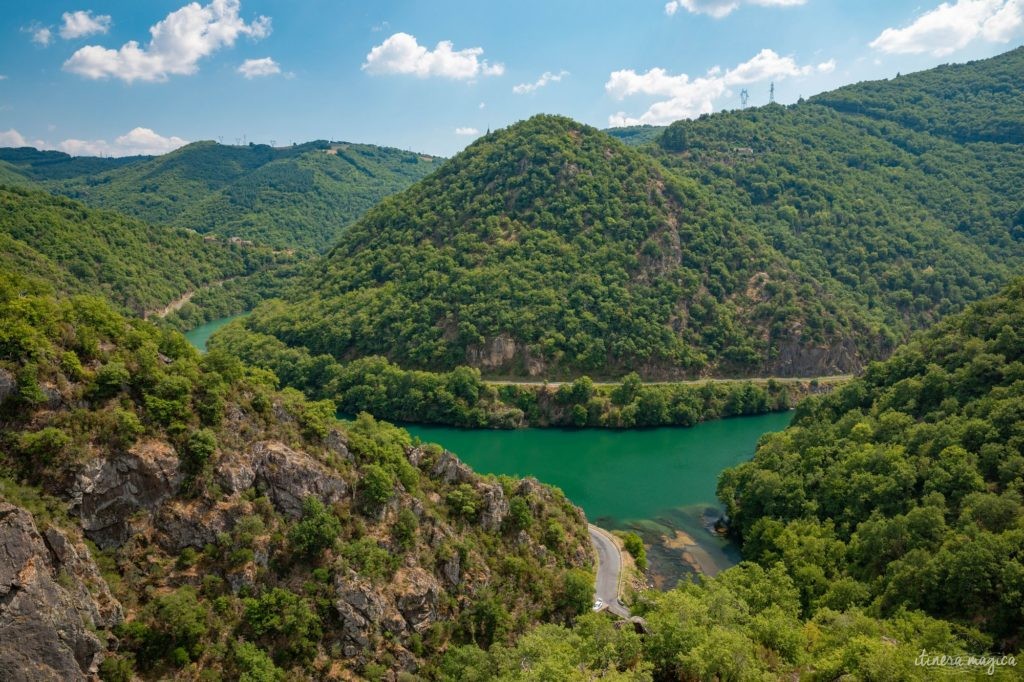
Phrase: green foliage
pixel 635 546
pixel 901 489
pixel 464 501
pixel 201 446
pixel 370 559
pixel 284 623
pixel 378 485
pixel 318 530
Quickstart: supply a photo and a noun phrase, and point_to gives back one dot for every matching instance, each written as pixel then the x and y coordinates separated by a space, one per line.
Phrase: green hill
pixel 903 488
pixel 292 197
pixel 550 249
pixel 139 266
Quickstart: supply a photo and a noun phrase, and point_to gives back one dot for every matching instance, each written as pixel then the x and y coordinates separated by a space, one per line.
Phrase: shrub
pixel 318 529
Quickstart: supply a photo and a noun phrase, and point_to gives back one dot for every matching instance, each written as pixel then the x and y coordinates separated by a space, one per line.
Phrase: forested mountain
pixel 139 266
pixel 779 240
pixel 903 489
pixel 909 223
pixel 238 532
pixel 549 248
pixel 978 101
pixel 291 197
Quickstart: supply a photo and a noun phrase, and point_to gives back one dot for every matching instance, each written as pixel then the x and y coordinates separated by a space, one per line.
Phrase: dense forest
pixel 290 197
pixel 217 527
pixel 140 267
pixel 902 490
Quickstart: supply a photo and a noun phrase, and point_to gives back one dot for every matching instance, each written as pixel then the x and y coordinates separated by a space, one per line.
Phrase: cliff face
pixel 244 529
pixel 55 608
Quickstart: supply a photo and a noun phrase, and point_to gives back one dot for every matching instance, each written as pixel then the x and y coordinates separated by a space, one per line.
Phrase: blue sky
pixel 426 75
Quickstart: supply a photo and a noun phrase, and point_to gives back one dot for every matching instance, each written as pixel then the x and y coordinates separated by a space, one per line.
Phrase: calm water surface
pixel 201 334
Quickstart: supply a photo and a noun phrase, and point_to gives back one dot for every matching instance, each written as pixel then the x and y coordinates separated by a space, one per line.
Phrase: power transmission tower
pixel 771 94
pixel 273 143
pixel 744 96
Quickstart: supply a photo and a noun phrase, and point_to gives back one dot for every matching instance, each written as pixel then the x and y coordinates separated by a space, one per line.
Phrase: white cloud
pixel 83 23
pixel 467 131
pixel 3 77
pixel 826 67
pixel 545 78
pixel 401 54
pixel 11 138
pixel 135 142
pixel 482 104
pixel 41 35
pixel 953 26
pixel 688 97
pixel 176 45
pixel 721 8
pixel 254 68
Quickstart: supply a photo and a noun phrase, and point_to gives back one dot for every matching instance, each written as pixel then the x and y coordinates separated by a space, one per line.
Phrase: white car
pixel 598 605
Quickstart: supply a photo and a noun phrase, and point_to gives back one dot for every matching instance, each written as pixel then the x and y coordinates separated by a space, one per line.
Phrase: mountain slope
pixel 239 532
pixel 138 266
pixel 549 248
pixel 903 488
pixel 293 197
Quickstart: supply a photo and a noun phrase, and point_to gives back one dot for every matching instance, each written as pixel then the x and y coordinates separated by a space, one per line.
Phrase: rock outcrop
pixel 109 491
pixel 52 603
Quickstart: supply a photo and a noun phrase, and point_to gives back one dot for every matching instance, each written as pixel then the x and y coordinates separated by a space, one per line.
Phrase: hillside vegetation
pixel 139 266
pixel 903 489
pixel 291 197
pixel 239 532
pixel 550 249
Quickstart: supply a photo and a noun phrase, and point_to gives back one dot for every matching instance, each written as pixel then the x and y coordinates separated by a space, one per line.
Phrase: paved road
pixel 609 566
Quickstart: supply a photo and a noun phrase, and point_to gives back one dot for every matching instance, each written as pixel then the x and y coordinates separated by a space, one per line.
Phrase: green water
pixel 653 481
pixel 201 334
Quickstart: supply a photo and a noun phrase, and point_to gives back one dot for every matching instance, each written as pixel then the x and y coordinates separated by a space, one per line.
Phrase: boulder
pixel 362 609
pixel 8 385
pixel 495 506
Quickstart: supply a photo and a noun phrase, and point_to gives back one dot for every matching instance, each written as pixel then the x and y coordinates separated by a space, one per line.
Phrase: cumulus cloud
pixel 953 26
pixel 688 97
pixel 138 141
pixel 545 78
pixel 467 131
pixel 722 8
pixel 12 138
pixel 177 44
pixel 83 23
pixel 41 35
pixel 255 68
pixel 402 54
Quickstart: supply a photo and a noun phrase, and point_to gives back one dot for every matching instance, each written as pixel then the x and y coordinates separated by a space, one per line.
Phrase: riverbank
pixel 658 483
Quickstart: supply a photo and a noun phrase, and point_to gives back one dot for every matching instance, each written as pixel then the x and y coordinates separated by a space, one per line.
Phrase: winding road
pixel 609 570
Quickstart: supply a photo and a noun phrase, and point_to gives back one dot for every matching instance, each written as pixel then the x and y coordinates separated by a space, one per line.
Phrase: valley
pixel 733 396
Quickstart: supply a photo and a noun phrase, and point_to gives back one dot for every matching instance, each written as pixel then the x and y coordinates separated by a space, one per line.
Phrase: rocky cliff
pixel 244 530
